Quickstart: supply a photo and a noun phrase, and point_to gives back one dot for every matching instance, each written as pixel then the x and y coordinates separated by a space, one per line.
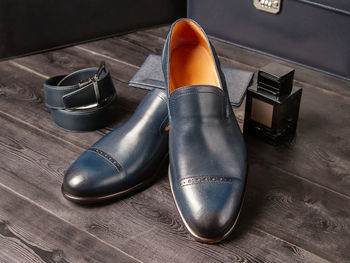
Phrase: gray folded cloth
pixel 150 76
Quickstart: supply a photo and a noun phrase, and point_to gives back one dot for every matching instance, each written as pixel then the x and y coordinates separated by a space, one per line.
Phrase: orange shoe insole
pixel 192 64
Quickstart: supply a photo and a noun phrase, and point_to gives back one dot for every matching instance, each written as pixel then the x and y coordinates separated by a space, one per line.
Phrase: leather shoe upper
pixel 207 160
pixel 125 157
pixel 207 152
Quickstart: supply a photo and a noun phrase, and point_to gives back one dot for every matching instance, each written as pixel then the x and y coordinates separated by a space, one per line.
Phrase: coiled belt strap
pixel 83 100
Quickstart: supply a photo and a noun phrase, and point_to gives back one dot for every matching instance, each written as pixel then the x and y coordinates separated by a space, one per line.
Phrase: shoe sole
pixel 204 239
pixel 99 199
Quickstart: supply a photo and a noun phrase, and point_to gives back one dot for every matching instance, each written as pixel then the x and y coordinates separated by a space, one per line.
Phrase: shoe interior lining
pixel 191 61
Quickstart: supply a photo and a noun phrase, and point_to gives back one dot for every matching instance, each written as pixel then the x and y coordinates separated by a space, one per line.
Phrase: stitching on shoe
pixel 191 89
pixel 108 157
pixel 173 99
pixel 204 179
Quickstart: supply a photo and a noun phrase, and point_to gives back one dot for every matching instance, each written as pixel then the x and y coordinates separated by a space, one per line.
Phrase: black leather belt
pixel 84 100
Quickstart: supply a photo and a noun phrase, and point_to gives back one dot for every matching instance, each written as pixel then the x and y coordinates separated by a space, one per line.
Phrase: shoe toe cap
pixel 210 210
pixel 92 175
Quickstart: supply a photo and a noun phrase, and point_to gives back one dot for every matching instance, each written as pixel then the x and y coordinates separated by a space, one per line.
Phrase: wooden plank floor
pixel 297 207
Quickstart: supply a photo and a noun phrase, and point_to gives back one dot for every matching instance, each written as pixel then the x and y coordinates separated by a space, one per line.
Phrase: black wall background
pixel 29 26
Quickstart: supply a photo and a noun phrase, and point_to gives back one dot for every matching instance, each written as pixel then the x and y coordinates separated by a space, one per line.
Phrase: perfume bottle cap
pixel 276 79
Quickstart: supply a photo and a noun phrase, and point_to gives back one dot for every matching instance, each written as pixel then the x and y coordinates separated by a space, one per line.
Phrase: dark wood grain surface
pixel 297 205
pixel 29 233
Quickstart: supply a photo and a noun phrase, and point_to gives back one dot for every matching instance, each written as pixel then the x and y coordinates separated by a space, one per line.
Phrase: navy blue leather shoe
pixel 124 160
pixel 207 152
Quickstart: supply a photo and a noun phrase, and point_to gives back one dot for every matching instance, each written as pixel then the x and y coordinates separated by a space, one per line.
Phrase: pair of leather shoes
pixel 207 153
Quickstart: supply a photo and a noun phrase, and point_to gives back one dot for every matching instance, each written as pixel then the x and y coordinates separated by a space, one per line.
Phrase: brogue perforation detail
pixel 108 157
pixel 204 179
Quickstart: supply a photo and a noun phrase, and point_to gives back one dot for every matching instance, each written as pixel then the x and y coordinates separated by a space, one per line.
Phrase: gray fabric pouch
pixel 150 76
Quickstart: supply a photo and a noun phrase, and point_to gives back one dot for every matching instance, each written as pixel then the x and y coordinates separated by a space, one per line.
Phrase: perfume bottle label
pixel 261 112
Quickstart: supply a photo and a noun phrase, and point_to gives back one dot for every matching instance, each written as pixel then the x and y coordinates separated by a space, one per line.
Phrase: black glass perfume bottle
pixel 272 108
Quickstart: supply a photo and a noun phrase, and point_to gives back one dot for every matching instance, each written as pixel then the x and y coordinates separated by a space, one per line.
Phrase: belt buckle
pixel 94 80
